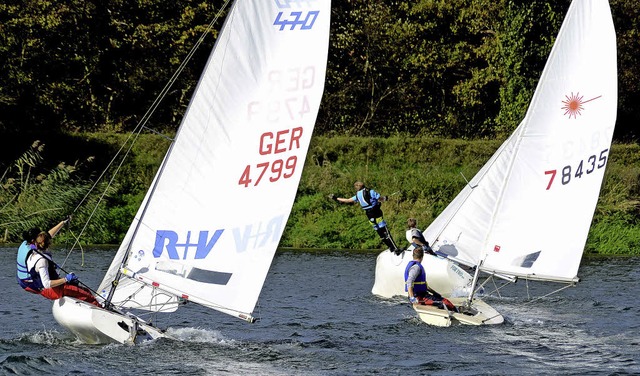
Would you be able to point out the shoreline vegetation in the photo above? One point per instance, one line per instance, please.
(421, 175)
(410, 83)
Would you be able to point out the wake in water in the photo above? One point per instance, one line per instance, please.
(47, 337)
(199, 336)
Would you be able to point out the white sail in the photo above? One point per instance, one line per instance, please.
(212, 220)
(528, 211)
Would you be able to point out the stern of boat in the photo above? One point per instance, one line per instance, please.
(479, 313)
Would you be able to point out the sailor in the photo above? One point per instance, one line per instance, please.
(43, 278)
(29, 243)
(370, 201)
(416, 284)
(416, 238)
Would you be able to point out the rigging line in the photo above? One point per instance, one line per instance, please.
(79, 245)
(154, 106)
(142, 124)
(498, 288)
(180, 69)
(490, 278)
(490, 318)
(105, 170)
(64, 271)
(495, 286)
(104, 193)
(160, 96)
(149, 306)
(549, 294)
(152, 130)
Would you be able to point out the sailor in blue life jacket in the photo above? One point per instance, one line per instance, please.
(42, 277)
(370, 201)
(29, 243)
(416, 284)
(416, 238)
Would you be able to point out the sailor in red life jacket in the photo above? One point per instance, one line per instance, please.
(416, 284)
(45, 279)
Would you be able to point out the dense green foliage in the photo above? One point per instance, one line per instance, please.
(420, 175)
(93, 65)
(455, 68)
(444, 71)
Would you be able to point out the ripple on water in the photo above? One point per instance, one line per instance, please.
(199, 335)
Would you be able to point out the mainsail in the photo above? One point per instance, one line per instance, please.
(210, 224)
(528, 211)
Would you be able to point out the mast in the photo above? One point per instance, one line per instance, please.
(472, 291)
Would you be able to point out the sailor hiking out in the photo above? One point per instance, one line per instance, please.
(37, 272)
(371, 201)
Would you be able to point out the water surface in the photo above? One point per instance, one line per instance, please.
(318, 317)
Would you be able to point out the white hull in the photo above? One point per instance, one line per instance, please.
(94, 325)
(443, 276)
(483, 314)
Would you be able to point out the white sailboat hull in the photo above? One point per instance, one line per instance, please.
(94, 325)
(443, 276)
(483, 314)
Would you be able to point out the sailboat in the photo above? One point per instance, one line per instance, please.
(209, 225)
(526, 214)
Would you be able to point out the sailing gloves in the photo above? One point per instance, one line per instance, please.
(71, 278)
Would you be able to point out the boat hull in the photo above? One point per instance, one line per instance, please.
(480, 314)
(94, 325)
(443, 276)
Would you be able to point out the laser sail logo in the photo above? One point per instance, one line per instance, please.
(574, 104)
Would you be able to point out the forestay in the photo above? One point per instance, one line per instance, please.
(528, 211)
(210, 224)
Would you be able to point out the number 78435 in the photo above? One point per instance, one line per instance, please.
(584, 167)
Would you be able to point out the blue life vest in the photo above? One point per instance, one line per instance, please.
(34, 282)
(368, 198)
(420, 284)
(21, 260)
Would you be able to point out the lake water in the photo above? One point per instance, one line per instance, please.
(318, 317)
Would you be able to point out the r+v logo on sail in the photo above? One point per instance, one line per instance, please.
(252, 236)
